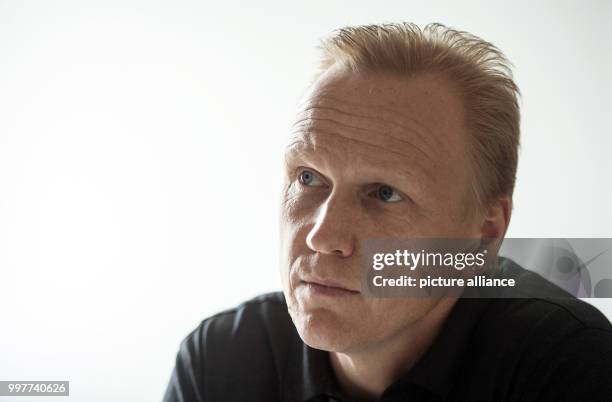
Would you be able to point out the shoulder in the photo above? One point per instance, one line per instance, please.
(522, 332)
(547, 348)
(245, 319)
(246, 345)
(538, 312)
(537, 303)
(561, 351)
(236, 331)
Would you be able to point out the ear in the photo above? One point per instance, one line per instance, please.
(496, 219)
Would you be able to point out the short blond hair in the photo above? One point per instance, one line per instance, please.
(479, 71)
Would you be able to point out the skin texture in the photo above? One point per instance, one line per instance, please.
(354, 133)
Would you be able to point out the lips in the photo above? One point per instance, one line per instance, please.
(329, 283)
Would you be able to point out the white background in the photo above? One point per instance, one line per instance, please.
(140, 150)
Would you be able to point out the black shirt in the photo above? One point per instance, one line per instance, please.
(535, 349)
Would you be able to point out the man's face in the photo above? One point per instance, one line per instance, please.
(370, 156)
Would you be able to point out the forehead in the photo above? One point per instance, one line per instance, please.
(381, 123)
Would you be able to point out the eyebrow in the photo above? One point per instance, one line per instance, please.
(301, 150)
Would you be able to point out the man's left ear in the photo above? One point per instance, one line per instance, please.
(497, 218)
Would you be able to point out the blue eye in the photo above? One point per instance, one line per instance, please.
(308, 178)
(388, 194)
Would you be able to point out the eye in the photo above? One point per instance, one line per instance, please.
(388, 194)
(309, 178)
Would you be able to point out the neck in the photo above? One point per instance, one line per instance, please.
(364, 374)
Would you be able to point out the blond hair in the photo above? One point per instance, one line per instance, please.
(477, 68)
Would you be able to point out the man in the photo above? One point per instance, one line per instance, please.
(406, 133)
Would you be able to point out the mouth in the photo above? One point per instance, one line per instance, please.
(327, 288)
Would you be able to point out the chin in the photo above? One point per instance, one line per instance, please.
(324, 329)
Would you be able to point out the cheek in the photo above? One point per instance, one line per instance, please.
(292, 246)
(297, 213)
(296, 205)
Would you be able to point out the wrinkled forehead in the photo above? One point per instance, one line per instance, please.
(381, 121)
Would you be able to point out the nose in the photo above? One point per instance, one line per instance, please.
(332, 231)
